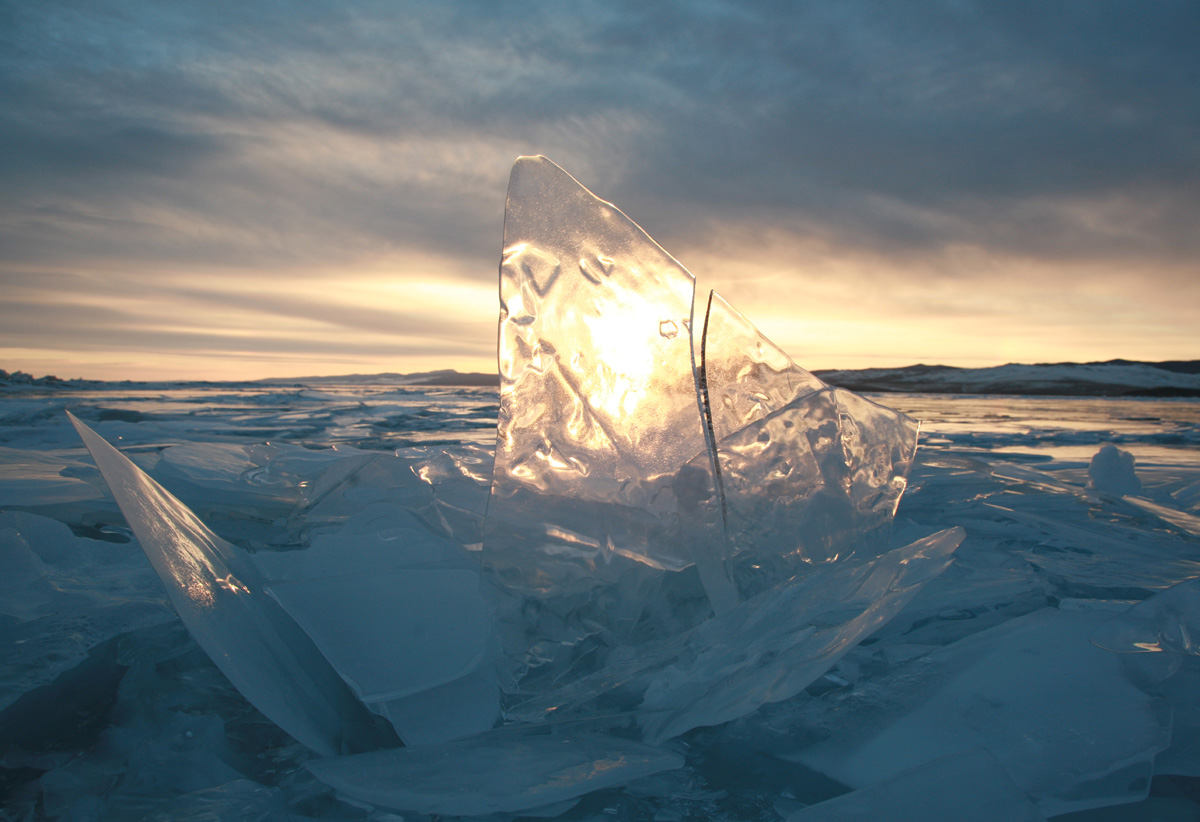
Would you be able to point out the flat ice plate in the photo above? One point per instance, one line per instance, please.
(492, 773)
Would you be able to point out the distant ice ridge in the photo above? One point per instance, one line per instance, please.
(682, 525)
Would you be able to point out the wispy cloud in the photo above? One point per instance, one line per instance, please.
(970, 158)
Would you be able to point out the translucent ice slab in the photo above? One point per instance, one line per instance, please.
(602, 476)
(218, 595)
(500, 772)
(776, 644)
(620, 557)
(400, 616)
(808, 473)
(746, 376)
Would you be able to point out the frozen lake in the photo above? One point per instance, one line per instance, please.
(111, 711)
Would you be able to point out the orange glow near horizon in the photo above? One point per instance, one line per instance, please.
(826, 307)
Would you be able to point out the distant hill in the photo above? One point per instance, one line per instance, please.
(1114, 378)
(444, 377)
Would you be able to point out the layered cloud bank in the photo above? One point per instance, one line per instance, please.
(222, 191)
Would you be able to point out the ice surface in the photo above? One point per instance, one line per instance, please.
(493, 773)
(120, 748)
(963, 786)
(219, 596)
(63, 595)
(1059, 714)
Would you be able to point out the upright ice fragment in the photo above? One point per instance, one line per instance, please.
(603, 478)
(218, 595)
(1111, 471)
(674, 546)
(808, 473)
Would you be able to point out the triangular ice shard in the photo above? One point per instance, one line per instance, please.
(808, 473)
(746, 376)
(219, 596)
(603, 476)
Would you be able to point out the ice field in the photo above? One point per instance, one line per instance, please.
(111, 710)
(663, 573)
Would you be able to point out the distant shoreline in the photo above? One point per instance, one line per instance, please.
(1113, 378)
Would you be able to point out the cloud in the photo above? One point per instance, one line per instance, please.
(200, 141)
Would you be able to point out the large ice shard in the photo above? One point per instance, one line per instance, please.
(603, 476)
(683, 544)
(218, 595)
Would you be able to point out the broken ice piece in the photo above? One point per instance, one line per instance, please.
(498, 772)
(1059, 714)
(218, 595)
(746, 376)
(611, 536)
(776, 644)
(1188, 523)
(816, 481)
(603, 479)
(1168, 621)
(969, 785)
(807, 473)
(1111, 472)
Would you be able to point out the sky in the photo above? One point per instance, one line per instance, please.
(236, 189)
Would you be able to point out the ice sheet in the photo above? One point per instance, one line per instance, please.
(1059, 714)
(607, 512)
(219, 596)
(1028, 455)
